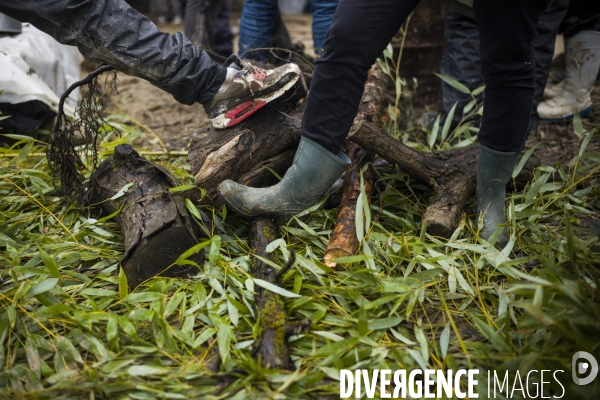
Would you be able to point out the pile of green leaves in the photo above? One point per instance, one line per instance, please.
(70, 327)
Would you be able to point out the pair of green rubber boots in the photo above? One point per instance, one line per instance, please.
(315, 170)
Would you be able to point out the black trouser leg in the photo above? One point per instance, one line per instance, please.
(507, 30)
(112, 32)
(359, 32)
(547, 29)
(461, 61)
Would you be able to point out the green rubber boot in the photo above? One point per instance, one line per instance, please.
(494, 171)
(313, 172)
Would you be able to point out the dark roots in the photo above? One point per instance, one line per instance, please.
(74, 143)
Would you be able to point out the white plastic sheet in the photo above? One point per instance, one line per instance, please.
(34, 66)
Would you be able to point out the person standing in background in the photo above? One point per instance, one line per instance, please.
(207, 25)
(162, 9)
(581, 31)
(258, 21)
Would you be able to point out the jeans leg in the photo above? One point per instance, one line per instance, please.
(322, 14)
(112, 32)
(359, 32)
(507, 30)
(256, 27)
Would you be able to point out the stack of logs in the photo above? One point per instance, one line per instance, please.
(150, 215)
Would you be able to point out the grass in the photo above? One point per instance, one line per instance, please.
(70, 329)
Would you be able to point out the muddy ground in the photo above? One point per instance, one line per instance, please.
(178, 125)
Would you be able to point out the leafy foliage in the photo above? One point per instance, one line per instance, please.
(71, 328)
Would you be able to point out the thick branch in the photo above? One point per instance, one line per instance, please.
(271, 344)
(343, 241)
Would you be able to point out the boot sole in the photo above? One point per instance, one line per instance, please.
(242, 111)
(583, 113)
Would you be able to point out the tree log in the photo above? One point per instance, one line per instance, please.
(343, 241)
(232, 153)
(239, 153)
(156, 225)
(271, 345)
(451, 174)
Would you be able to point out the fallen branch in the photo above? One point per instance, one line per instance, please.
(156, 225)
(271, 345)
(343, 241)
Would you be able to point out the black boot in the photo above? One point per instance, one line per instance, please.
(494, 171)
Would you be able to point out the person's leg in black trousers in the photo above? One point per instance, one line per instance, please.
(547, 29)
(359, 32)
(507, 30)
(461, 59)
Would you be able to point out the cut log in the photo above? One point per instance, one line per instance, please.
(271, 345)
(218, 155)
(239, 153)
(451, 174)
(156, 225)
(343, 241)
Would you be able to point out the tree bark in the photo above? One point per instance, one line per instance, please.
(233, 153)
(245, 153)
(343, 241)
(156, 225)
(452, 174)
(271, 345)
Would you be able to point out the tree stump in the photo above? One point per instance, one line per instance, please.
(156, 225)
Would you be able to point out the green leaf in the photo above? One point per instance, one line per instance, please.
(145, 370)
(123, 284)
(122, 191)
(329, 335)
(445, 341)
(448, 122)
(478, 91)
(22, 138)
(42, 287)
(523, 160)
(183, 188)
(432, 137)
(183, 259)
(114, 214)
(363, 322)
(577, 125)
(275, 289)
(454, 83)
(50, 264)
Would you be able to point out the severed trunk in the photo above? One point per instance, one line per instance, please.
(156, 225)
(248, 152)
(343, 241)
(271, 345)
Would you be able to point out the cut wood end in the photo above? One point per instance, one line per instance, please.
(332, 254)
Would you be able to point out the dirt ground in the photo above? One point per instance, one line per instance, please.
(178, 125)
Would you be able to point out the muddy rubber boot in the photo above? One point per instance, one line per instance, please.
(494, 171)
(313, 172)
(582, 62)
(247, 89)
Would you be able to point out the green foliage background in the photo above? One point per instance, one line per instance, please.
(70, 328)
